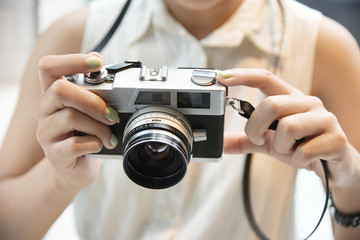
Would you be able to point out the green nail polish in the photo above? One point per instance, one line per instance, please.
(226, 74)
(93, 62)
(114, 141)
(111, 114)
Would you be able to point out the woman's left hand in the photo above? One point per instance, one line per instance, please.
(300, 117)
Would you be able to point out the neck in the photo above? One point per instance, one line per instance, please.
(200, 19)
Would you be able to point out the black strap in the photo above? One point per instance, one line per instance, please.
(247, 197)
(245, 109)
(112, 30)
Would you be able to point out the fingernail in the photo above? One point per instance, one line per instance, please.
(114, 141)
(260, 141)
(93, 62)
(226, 74)
(111, 114)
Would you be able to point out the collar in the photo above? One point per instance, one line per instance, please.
(257, 20)
(260, 21)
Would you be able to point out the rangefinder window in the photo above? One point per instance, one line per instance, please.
(193, 100)
(153, 98)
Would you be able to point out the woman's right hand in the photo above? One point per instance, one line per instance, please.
(66, 108)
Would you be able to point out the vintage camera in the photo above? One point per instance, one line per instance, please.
(167, 118)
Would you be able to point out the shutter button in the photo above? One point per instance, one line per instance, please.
(203, 77)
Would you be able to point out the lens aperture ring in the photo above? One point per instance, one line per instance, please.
(163, 115)
(159, 126)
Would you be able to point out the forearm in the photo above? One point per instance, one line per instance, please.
(30, 203)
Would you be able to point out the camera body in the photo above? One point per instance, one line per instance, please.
(181, 109)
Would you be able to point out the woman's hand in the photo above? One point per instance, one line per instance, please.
(66, 108)
(299, 116)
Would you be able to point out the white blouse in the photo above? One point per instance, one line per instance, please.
(207, 203)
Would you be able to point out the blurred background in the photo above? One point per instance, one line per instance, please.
(21, 21)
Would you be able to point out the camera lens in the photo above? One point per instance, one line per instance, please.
(156, 155)
(157, 147)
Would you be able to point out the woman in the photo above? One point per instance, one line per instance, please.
(311, 56)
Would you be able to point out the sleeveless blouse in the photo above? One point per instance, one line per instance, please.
(207, 203)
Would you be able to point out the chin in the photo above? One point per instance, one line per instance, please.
(196, 4)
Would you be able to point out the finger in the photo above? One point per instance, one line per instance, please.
(76, 147)
(277, 107)
(54, 67)
(64, 122)
(296, 127)
(84, 170)
(329, 146)
(62, 94)
(262, 79)
(239, 143)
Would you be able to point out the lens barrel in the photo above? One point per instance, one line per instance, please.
(157, 147)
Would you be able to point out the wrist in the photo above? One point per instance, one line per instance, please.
(345, 220)
(346, 190)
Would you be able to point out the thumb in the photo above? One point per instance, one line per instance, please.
(239, 143)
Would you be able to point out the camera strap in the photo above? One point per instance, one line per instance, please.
(112, 30)
(245, 109)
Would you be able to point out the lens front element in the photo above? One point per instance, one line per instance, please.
(157, 147)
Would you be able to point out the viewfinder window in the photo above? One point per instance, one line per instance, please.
(193, 100)
(153, 98)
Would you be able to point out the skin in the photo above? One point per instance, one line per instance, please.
(46, 99)
(201, 17)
